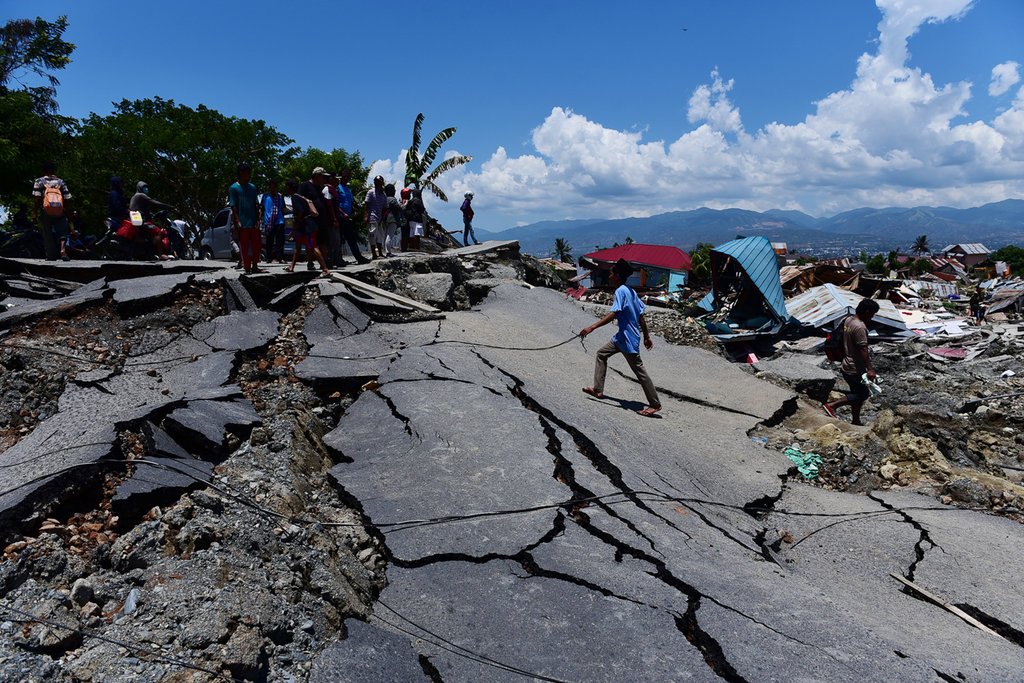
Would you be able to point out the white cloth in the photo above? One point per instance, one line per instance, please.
(415, 229)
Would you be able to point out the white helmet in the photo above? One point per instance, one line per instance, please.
(469, 194)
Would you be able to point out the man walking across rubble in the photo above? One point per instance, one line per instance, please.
(628, 310)
(856, 360)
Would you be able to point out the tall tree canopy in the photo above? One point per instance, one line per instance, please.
(32, 132)
(188, 156)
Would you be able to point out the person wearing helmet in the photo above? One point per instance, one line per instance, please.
(467, 220)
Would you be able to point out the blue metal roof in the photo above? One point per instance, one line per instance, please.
(757, 258)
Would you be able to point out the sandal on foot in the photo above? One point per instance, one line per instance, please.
(829, 410)
(649, 411)
(590, 390)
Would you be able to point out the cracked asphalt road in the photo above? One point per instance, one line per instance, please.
(635, 585)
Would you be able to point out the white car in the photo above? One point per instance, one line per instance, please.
(217, 242)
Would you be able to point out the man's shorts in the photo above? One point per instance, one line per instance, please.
(858, 390)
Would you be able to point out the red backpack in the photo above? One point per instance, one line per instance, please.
(834, 347)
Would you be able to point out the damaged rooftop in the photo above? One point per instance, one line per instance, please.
(391, 474)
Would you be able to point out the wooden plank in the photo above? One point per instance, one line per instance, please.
(943, 604)
(377, 291)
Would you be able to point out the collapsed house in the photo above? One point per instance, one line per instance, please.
(824, 306)
(746, 299)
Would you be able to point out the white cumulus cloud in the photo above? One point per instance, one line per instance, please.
(1004, 77)
(892, 137)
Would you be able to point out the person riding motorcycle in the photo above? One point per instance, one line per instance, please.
(146, 205)
(143, 203)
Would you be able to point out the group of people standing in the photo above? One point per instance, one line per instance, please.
(323, 208)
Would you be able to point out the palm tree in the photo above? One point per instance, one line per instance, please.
(921, 245)
(629, 240)
(563, 250)
(417, 167)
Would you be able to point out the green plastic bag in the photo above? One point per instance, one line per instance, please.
(806, 463)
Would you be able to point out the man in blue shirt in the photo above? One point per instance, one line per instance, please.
(628, 310)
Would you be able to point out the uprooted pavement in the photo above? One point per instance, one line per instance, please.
(271, 478)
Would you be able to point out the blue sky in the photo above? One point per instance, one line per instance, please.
(594, 109)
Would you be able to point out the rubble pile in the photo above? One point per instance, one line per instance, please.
(950, 425)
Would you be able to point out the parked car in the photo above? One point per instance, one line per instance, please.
(217, 242)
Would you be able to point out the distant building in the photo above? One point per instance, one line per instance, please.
(969, 255)
(780, 248)
(656, 266)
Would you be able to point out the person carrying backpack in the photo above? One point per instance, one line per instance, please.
(53, 206)
(856, 361)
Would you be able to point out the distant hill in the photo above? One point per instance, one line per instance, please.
(869, 229)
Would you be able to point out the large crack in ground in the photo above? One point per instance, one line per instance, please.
(687, 622)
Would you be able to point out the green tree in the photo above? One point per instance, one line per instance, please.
(876, 264)
(188, 156)
(563, 250)
(629, 240)
(700, 263)
(417, 166)
(894, 259)
(921, 266)
(863, 256)
(921, 245)
(299, 165)
(32, 132)
(1013, 256)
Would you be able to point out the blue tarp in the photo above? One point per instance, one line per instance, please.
(758, 262)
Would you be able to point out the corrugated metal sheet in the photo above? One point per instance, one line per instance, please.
(939, 289)
(756, 256)
(821, 306)
(972, 248)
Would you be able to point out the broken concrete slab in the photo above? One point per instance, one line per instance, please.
(368, 655)
(89, 295)
(432, 288)
(204, 425)
(288, 299)
(160, 443)
(499, 247)
(140, 294)
(236, 296)
(801, 373)
(159, 481)
(239, 330)
(88, 270)
(349, 361)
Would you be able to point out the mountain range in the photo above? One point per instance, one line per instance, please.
(872, 230)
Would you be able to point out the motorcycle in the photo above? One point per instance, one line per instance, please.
(21, 243)
(136, 239)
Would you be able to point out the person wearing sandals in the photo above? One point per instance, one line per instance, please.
(305, 229)
(628, 310)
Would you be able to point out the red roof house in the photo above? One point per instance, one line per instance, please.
(657, 266)
(655, 255)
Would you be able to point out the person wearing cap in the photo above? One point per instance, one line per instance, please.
(628, 310)
(467, 220)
